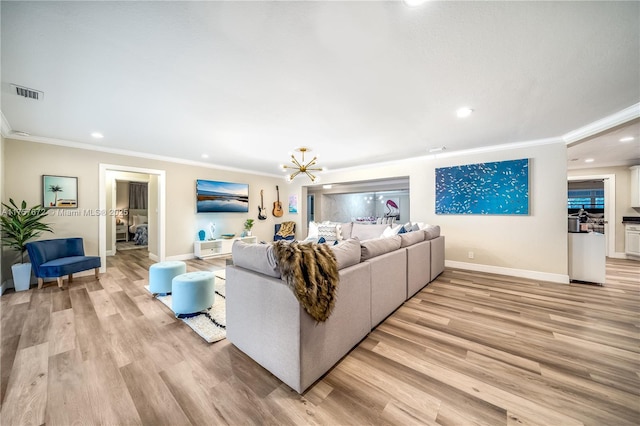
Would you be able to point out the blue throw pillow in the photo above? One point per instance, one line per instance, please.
(402, 231)
(321, 240)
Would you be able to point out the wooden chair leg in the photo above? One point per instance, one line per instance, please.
(96, 271)
(59, 279)
(40, 282)
(70, 278)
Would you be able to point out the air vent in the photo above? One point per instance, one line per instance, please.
(25, 92)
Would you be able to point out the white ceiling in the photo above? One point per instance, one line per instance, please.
(358, 82)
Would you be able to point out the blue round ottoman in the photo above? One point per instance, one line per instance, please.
(161, 274)
(192, 292)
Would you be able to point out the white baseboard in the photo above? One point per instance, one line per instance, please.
(111, 253)
(618, 255)
(187, 256)
(522, 273)
(153, 257)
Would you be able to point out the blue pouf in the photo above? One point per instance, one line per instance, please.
(162, 273)
(192, 292)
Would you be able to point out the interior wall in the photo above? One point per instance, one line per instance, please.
(536, 242)
(623, 197)
(26, 162)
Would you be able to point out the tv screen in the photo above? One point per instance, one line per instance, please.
(221, 197)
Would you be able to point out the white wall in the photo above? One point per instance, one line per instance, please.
(532, 246)
(26, 162)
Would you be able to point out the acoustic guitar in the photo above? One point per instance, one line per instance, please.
(262, 211)
(277, 206)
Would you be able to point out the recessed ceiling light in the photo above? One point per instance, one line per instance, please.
(437, 149)
(327, 186)
(414, 3)
(205, 155)
(97, 135)
(464, 112)
(589, 160)
(627, 139)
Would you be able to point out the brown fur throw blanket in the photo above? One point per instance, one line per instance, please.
(311, 271)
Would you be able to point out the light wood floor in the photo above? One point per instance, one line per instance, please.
(470, 348)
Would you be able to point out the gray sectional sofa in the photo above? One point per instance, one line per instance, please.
(266, 321)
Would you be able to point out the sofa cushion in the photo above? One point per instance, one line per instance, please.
(255, 257)
(411, 238)
(432, 231)
(347, 252)
(364, 231)
(378, 246)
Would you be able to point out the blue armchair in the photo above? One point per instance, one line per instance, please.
(58, 257)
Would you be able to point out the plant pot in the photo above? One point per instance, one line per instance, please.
(21, 276)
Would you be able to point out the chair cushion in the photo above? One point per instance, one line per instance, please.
(68, 265)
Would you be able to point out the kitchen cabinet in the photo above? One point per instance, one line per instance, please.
(632, 240)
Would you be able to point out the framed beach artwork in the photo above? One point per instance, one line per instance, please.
(221, 197)
(496, 188)
(59, 192)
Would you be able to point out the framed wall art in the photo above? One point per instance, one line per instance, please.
(59, 192)
(500, 188)
(221, 197)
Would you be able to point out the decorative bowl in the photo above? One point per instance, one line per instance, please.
(228, 236)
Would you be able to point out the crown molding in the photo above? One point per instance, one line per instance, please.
(603, 124)
(128, 153)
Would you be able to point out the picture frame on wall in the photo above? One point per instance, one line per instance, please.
(59, 192)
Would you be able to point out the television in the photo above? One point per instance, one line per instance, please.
(221, 197)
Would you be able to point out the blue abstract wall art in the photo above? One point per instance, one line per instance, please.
(500, 187)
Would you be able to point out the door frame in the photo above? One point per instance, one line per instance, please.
(161, 194)
(609, 208)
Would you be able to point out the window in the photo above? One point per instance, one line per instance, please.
(586, 199)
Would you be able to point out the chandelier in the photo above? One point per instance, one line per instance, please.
(302, 167)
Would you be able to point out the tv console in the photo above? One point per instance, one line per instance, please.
(218, 247)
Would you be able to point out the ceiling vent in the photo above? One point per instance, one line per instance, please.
(25, 92)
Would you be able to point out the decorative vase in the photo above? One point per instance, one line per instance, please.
(212, 229)
(21, 276)
(247, 233)
(202, 235)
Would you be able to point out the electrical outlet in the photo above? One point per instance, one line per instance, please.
(470, 255)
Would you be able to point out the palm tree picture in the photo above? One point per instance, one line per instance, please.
(55, 189)
(59, 192)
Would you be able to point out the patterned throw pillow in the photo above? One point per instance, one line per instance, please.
(328, 231)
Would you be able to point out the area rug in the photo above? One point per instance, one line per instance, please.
(210, 324)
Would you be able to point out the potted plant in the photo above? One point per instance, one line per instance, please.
(19, 225)
(248, 224)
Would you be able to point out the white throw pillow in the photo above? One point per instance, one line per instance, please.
(313, 231)
(390, 231)
(329, 232)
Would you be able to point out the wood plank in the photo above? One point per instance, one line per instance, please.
(26, 398)
(153, 400)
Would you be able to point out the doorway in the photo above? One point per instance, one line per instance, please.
(156, 215)
(609, 184)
